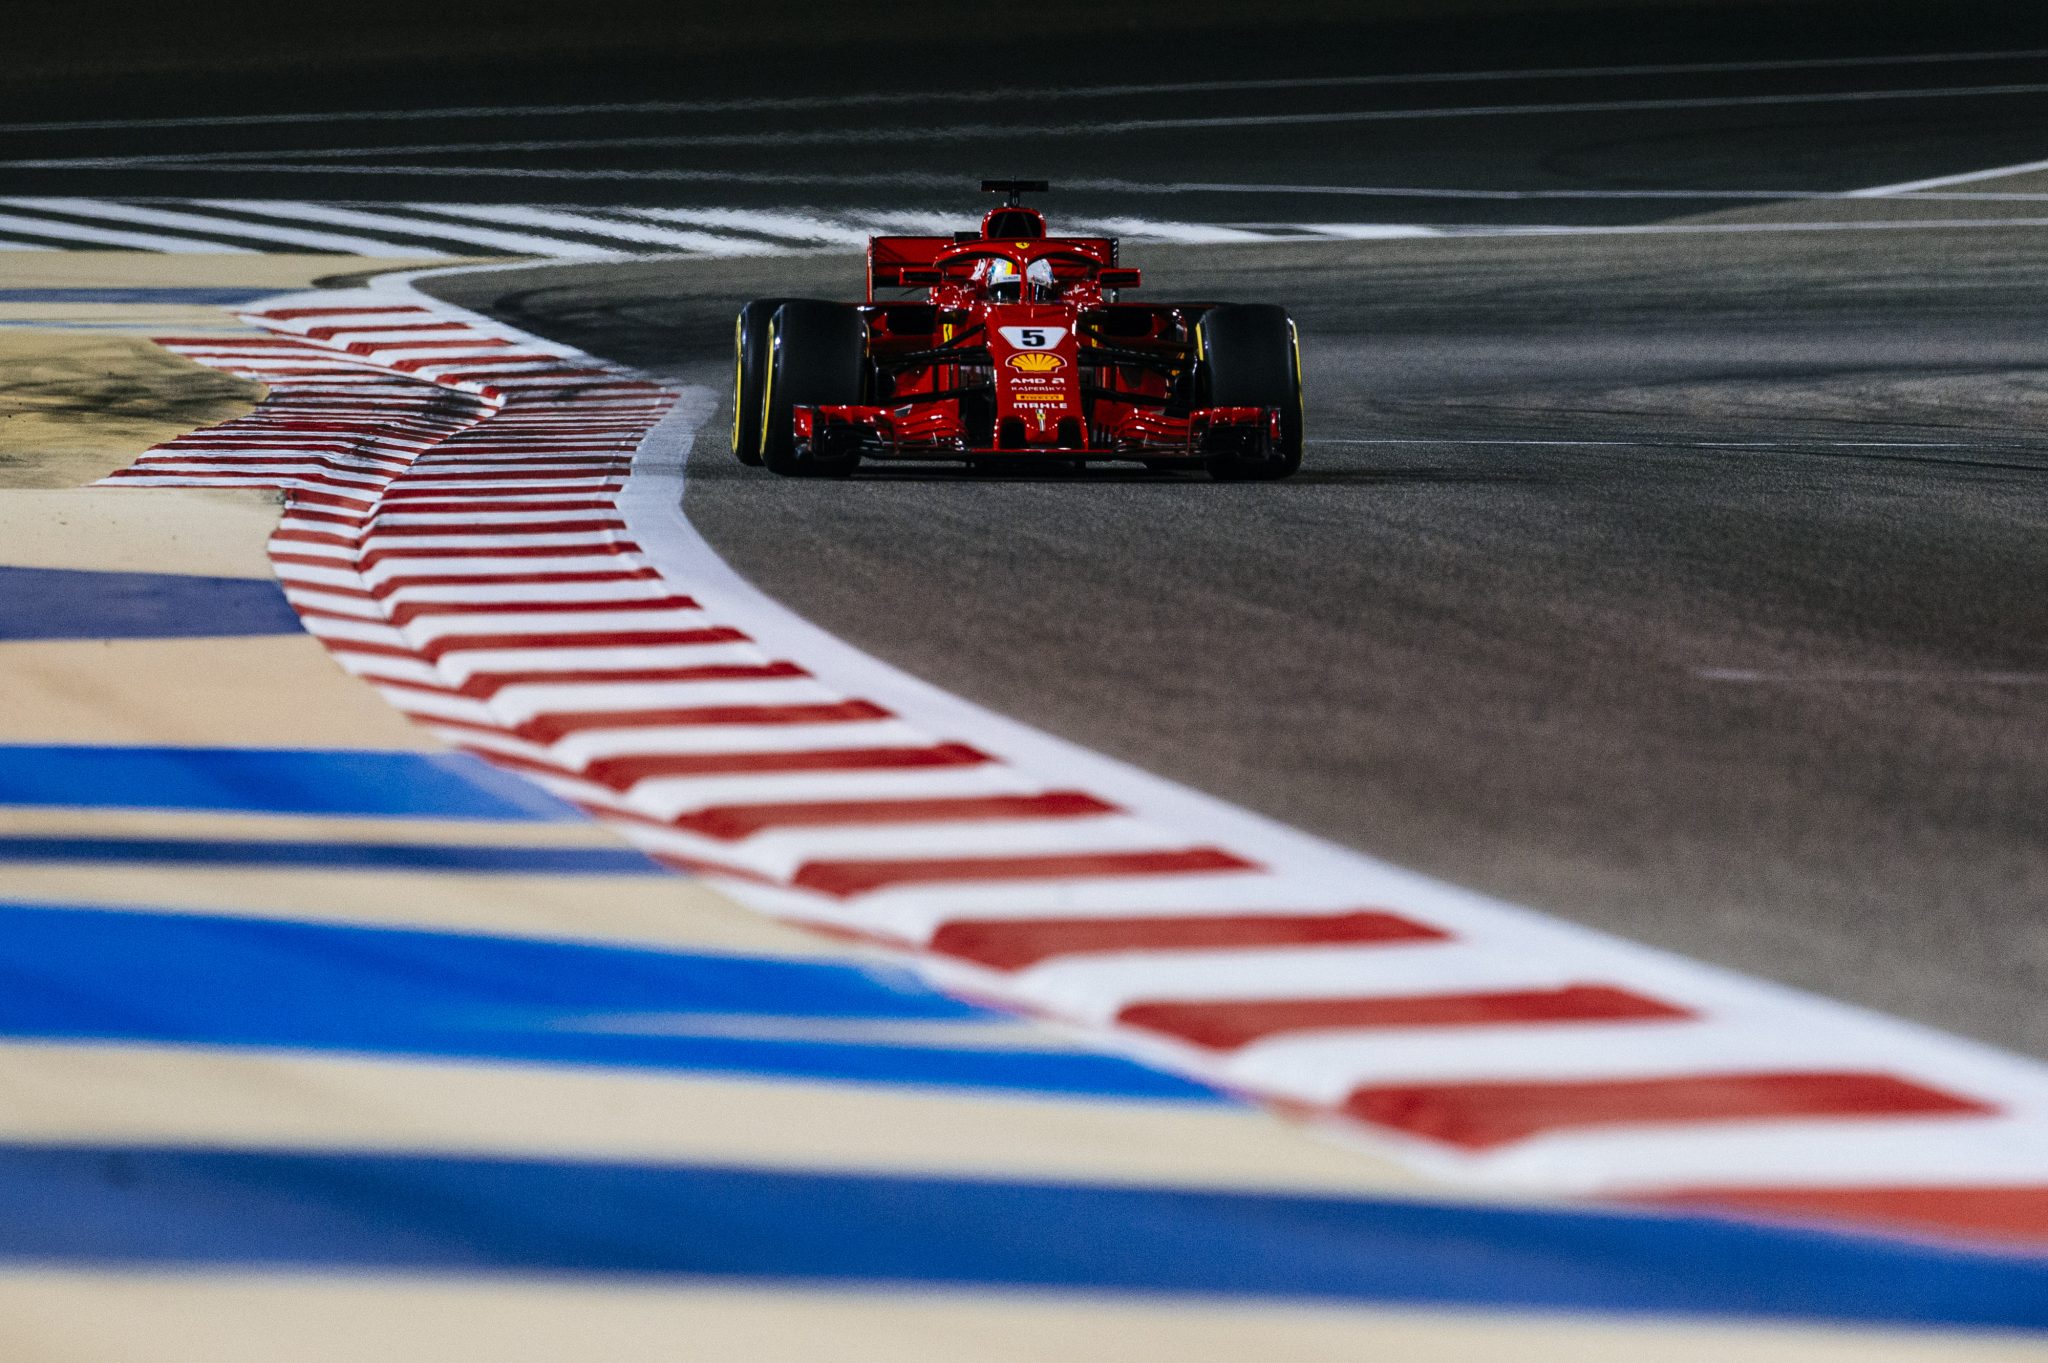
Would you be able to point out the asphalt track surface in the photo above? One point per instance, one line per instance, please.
(1688, 587)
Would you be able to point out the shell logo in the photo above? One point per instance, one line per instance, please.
(1037, 362)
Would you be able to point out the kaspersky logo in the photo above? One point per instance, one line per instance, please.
(1036, 362)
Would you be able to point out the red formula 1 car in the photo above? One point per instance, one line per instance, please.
(1019, 349)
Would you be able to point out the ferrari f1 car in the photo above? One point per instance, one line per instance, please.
(1014, 347)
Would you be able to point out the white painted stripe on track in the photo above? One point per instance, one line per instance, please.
(913, 916)
(512, 243)
(1451, 193)
(1184, 233)
(175, 219)
(357, 631)
(783, 856)
(1103, 984)
(638, 233)
(563, 540)
(670, 798)
(57, 230)
(1350, 231)
(735, 739)
(1902, 1151)
(1945, 181)
(571, 480)
(791, 226)
(484, 593)
(484, 569)
(530, 700)
(1874, 676)
(601, 657)
(536, 514)
(1748, 228)
(1325, 1067)
(1923, 1151)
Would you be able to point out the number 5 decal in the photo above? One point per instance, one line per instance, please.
(1033, 338)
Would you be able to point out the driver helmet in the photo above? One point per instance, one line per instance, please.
(1038, 282)
(1002, 280)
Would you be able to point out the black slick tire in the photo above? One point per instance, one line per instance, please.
(817, 357)
(749, 372)
(1247, 355)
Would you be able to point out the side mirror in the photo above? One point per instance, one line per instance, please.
(914, 278)
(1118, 279)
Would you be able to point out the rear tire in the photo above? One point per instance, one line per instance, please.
(749, 371)
(817, 357)
(1249, 356)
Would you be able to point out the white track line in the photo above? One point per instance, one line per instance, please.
(795, 225)
(512, 243)
(1743, 228)
(176, 218)
(54, 230)
(569, 220)
(1944, 181)
(1520, 195)
(1879, 676)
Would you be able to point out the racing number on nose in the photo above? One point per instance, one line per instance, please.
(1033, 338)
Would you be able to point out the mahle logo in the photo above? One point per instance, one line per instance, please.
(1037, 362)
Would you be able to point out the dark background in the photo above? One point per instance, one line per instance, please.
(67, 55)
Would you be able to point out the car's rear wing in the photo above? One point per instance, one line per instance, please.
(889, 257)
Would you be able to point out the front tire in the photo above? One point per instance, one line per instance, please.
(749, 372)
(817, 357)
(1249, 355)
